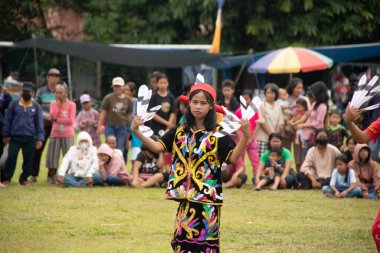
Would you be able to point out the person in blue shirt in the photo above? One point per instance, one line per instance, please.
(343, 182)
(23, 129)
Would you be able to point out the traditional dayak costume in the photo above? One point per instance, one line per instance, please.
(195, 181)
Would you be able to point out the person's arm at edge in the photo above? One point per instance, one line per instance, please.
(349, 116)
(154, 146)
(240, 147)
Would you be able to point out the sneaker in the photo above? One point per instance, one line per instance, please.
(2, 186)
(257, 188)
(32, 179)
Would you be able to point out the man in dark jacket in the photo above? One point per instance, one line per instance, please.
(23, 129)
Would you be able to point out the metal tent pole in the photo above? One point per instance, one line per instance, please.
(69, 76)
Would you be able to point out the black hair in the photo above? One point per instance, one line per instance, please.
(319, 130)
(161, 76)
(310, 93)
(369, 154)
(247, 92)
(132, 87)
(276, 150)
(210, 119)
(145, 148)
(343, 158)
(335, 112)
(154, 74)
(186, 89)
(302, 102)
(319, 90)
(273, 87)
(228, 83)
(292, 84)
(274, 135)
(351, 138)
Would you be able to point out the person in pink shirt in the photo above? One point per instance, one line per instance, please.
(112, 169)
(237, 172)
(318, 98)
(62, 113)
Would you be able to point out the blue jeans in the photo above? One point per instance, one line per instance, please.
(372, 193)
(111, 180)
(72, 181)
(306, 146)
(375, 148)
(355, 193)
(120, 132)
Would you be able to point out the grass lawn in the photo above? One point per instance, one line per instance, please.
(45, 218)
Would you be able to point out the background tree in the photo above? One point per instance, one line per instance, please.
(259, 24)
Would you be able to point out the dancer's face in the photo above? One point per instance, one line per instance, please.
(199, 106)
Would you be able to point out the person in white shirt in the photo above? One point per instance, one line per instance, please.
(79, 163)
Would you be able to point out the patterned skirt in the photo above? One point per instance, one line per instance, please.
(196, 228)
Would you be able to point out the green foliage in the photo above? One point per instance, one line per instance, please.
(19, 19)
(258, 24)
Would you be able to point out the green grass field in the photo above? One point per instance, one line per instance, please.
(45, 218)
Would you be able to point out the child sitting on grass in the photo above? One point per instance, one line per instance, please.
(111, 168)
(79, 163)
(111, 141)
(273, 170)
(367, 174)
(343, 182)
(147, 168)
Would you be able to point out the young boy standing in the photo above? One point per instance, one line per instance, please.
(228, 99)
(337, 131)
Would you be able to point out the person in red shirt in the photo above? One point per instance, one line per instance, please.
(372, 132)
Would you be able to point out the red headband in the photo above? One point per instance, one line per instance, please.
(204, 87)
(185, 100)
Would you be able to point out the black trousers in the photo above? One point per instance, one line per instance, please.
(305, 182)
(38, 152)
(27, 144)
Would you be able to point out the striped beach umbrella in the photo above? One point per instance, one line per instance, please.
(291, 60)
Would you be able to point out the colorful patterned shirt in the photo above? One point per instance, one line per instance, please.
(337, 135)
(195, 174)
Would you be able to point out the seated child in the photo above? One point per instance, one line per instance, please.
(111, 168)
(337, 131)
(343, 182)
(273, 170)
(79, 163)
(350, 144)
(111, 141)
(367, 174)
(147, 168)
